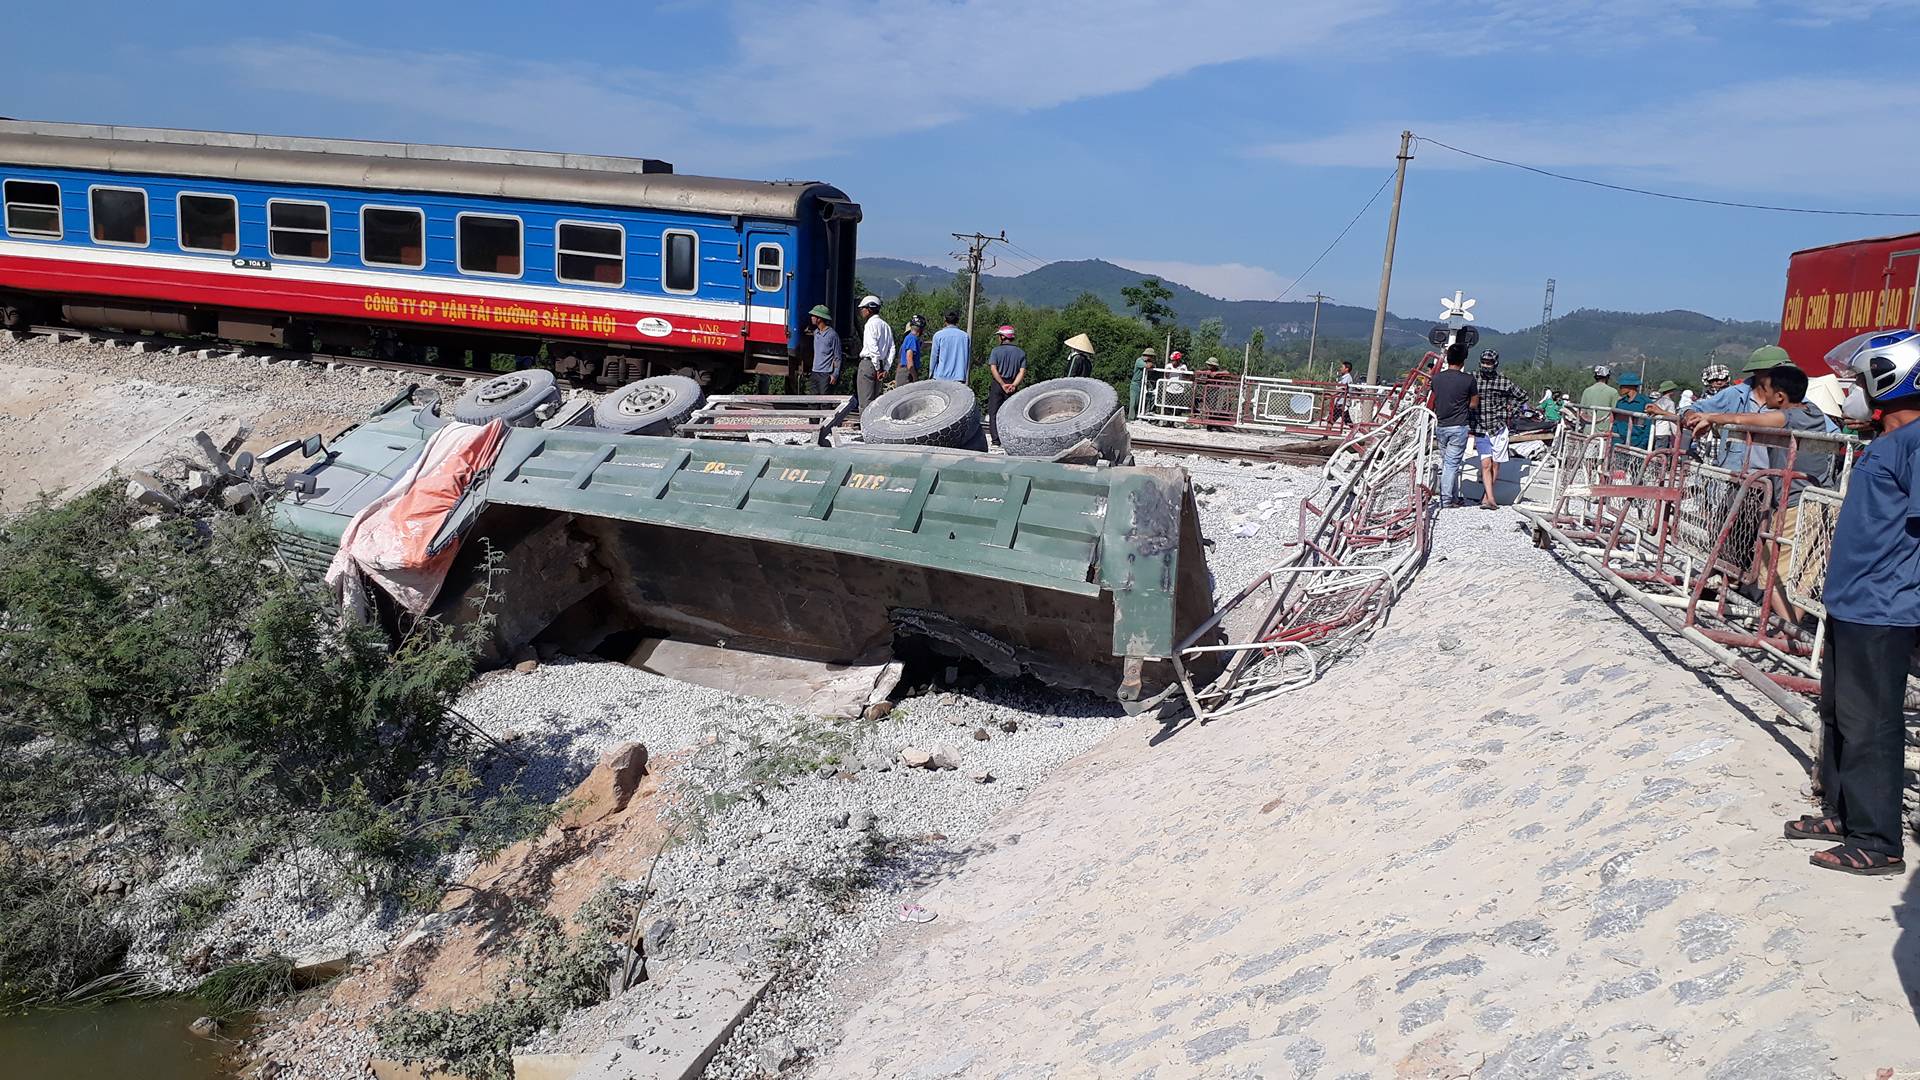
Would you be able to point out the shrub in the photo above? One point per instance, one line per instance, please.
(553, 973)
(175, 676)
(53, 937)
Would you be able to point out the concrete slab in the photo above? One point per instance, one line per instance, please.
(546, 1066)
(684, 1019)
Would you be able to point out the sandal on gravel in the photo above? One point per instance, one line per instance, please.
(1808, 827)
(1853, 860)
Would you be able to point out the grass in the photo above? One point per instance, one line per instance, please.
(248, 985)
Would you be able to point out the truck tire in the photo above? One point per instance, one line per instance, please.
(934, 413)
(1051, 416)
(648, 407)
(513, 397)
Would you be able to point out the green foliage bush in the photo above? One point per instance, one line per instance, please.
(53, 937)
(248, 985)
(174, 678)
(553, 973)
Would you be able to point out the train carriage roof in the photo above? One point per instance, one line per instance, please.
(643, 183)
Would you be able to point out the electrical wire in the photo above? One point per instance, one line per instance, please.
(1336, 240)
(1666, 194)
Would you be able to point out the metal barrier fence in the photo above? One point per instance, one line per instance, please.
(1364, 534)
(1221, 399)
(1732, 558)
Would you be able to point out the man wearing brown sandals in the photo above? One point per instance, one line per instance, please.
(1872, 597)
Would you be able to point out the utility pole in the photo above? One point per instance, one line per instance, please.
(1386, 266)
(976, 244)
(1314, 334)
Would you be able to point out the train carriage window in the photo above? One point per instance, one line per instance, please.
(590, 254)
(488, 244)
(209, 223)
(393, 236)
(119, 215)
(298, 230)
(680, 258)
(769, 267)
(32, 208)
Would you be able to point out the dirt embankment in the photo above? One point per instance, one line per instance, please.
(73, 413)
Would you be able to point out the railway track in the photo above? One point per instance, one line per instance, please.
(1230, 453)
(160, 345)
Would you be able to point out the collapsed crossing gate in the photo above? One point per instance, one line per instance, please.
(1364, 534)
(1716, 555)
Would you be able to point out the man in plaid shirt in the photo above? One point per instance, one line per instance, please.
(1499, 399)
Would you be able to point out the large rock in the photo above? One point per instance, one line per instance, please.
(607, 789)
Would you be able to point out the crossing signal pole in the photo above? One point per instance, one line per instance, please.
(976, 247)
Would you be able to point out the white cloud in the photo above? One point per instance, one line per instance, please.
(1228, 281)
(797, 79)
(1821, 140)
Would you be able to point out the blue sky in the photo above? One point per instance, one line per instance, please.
(1221, 142)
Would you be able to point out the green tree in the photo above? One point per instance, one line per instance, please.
(1208, 339)
(1149, 300)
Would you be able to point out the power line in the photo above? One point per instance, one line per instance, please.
(1667, 194)
(1336, 240)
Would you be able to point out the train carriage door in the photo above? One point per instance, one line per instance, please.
(843, 223)
(769, 292)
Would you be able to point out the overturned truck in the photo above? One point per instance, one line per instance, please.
(1083, 576)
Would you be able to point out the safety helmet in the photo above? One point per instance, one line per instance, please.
(1176, 355)
(918, 322)
(1491, 356)
(1715, 373)
(1602, 371)
(870, 301)
(1006, 331)
(1888, 365)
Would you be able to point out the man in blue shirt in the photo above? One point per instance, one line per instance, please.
(1872, 597)
(950, 351)
(1626, 429)
(1738, 398)
(826, 349)
(912, 363)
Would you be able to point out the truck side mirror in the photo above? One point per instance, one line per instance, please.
(312, 446)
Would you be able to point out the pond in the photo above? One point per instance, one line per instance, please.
(147, 1039)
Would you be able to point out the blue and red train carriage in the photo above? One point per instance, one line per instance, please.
(612, 267)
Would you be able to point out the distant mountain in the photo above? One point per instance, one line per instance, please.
(1586, 336)
(886, 277)
(1591, 336)
(1058, 284)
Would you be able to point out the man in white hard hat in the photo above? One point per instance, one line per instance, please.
(876, 352)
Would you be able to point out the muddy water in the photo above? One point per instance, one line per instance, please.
(136, 1040)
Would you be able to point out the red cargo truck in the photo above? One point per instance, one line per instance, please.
(1839, 290)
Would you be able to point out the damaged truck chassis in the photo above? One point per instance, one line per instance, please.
(1087, 577)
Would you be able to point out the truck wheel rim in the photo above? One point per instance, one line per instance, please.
(496, 390)
(645, 400)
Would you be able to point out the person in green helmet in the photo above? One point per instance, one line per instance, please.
(1139, 384)
(826, 349)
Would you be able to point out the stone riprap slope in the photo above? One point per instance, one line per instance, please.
(1513, 838)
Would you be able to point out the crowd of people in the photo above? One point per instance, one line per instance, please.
(1871, 589)
(946, 354)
